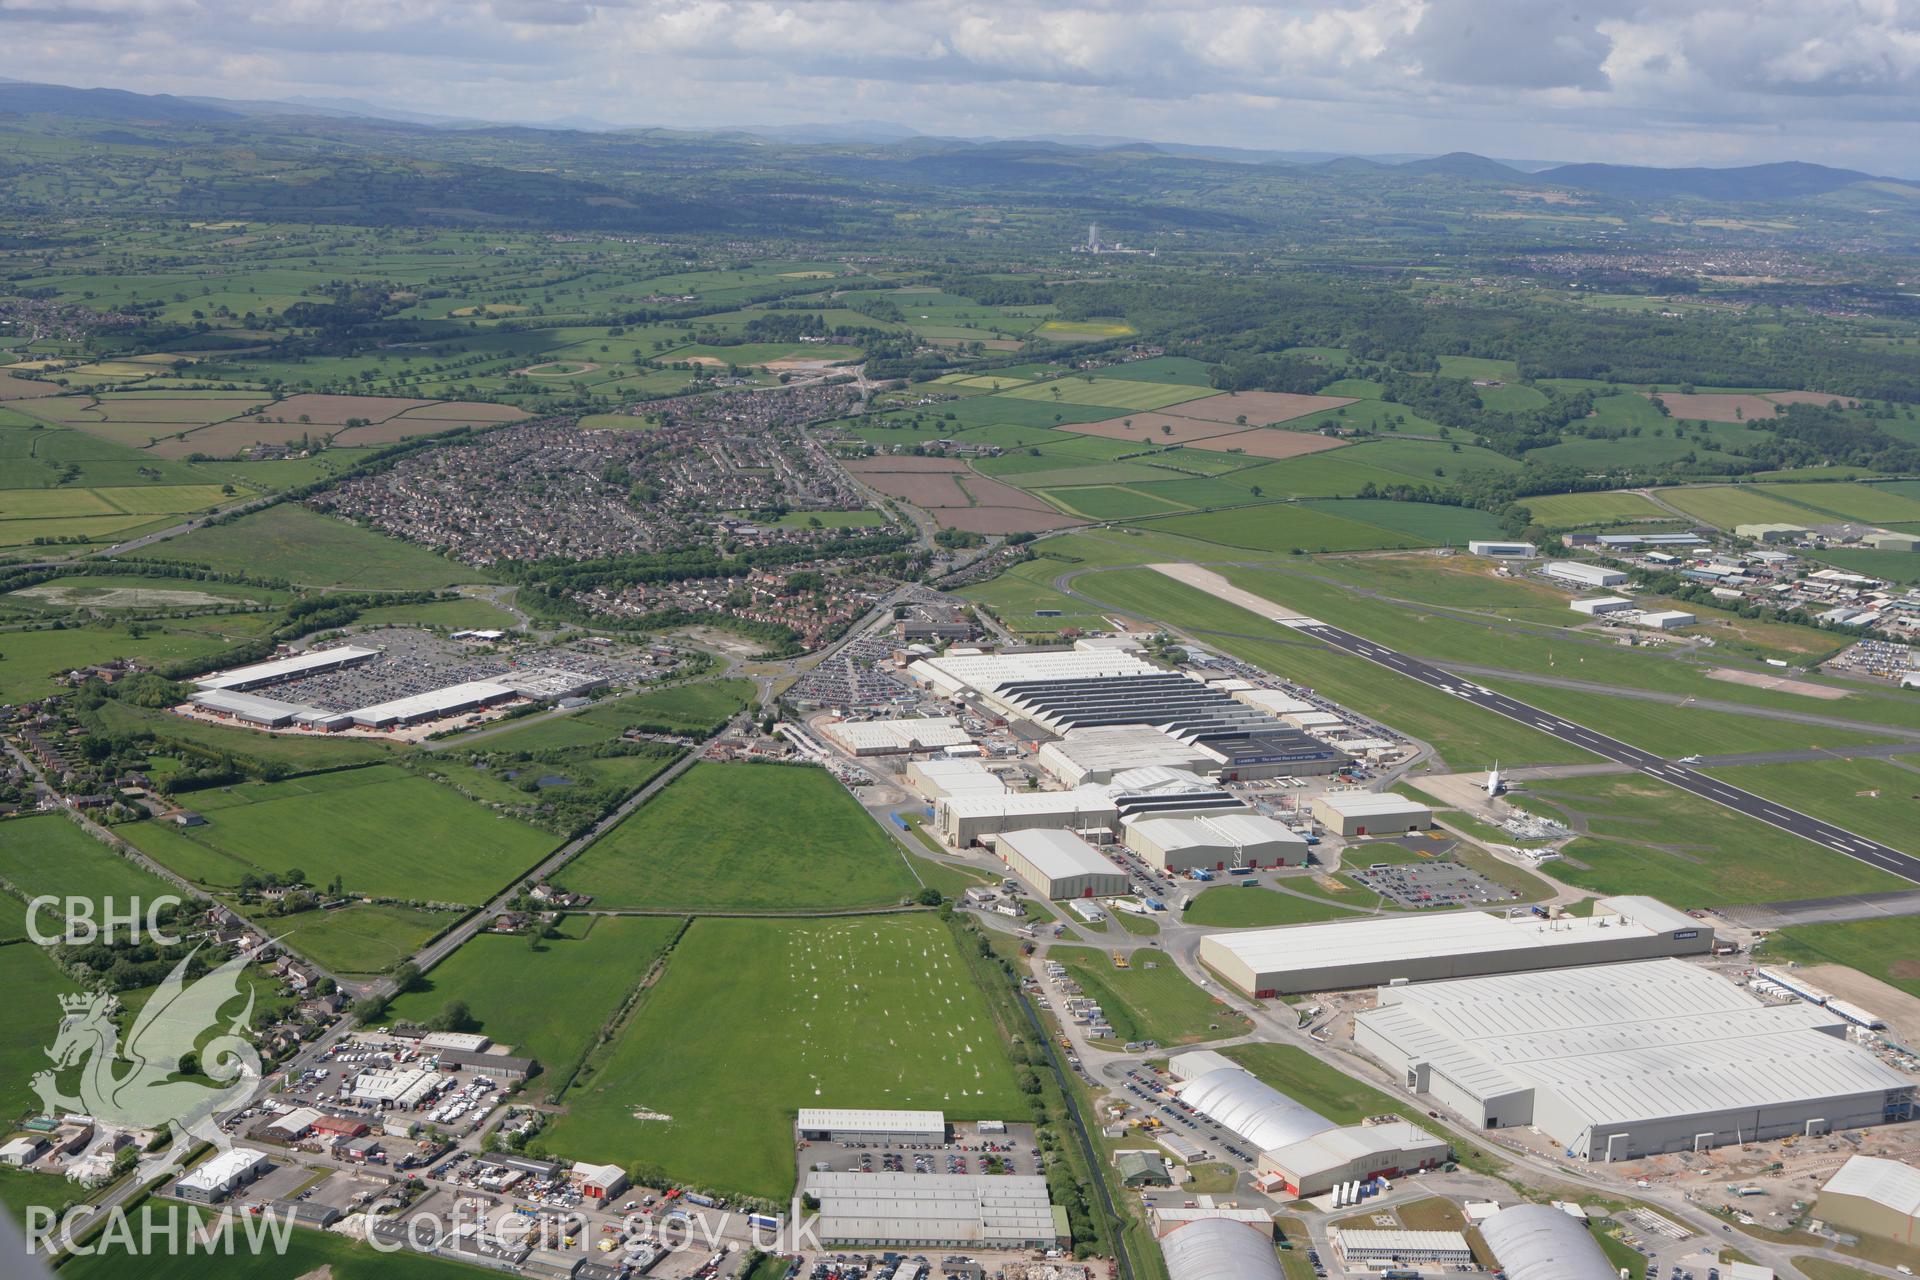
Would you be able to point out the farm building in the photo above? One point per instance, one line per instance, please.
(920, 1210)
(1092, 756)
(1059, 864)
(1874, 1197)
(1377, 1249)
(1586, 575)
(1504, 550)
(892, 737)
(963, 819)
(938, 779)
(1213, 841)
(1601, 605)
(1668, 619)
(279, 669)
(221, 1176)
(1770, 532)
(837, 1124)
(1380, 813)
(1620, 1061)
(1539, 1242)
(1375, 951)
(1221, 1249)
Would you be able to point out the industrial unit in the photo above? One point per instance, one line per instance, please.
(891, 737)
(1601, 605)
(1364, 1248)
(1770, 532)
(1272, 701)
(1377, 950)
(221, 1176)
(1221, 1249)
(279, 669)
(1213, 842)
(938, 779)
(434, 704)
(1059, 864)
(1626, 1060)
(923, 1210)
(1586, 575)
(1504, 550)
(838, 1124)
(1539, 1242)
(1379, 813)
(962, 820)
(1299, 1149)
(1874, 1197)
(1668, 619)
(267, 713)
(1095, 755)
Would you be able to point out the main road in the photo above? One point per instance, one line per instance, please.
(1807, 827)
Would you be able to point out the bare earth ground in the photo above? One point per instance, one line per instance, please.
(1810, 397)
(903, 462)
(1262, 443)
(1779, 684)
(12, 388)
(1901, 1010)
(331, 410)
(468, 410)
(1156, 428)
(1718, 408)
(959, 497)
(122, 597)
(1260, 407)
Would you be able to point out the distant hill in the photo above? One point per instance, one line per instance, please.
(1463, 164)
(1787, 181)
(19, 98)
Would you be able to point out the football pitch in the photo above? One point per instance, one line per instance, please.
(872, 1012)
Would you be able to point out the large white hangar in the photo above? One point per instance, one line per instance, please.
(1378, 950)
(1620, 1061)
(1214, 841)
(1539, 1242)
(1221, 1249)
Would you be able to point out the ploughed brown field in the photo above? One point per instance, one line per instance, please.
(1260, 407)
(959, 497)
(1264, 442)
(1710, 407)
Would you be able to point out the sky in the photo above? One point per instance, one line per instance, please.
(1664, 82)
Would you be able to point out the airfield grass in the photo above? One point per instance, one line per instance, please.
(1874, 798)
(1423, 522)
(878, 1011)
(289, 541)
(1887, 948)
(745, 837)
(34, 985)
(1724, 506)
(1672, 730)
(1572, 510)
(46, 854)
(1232, 906)
(546, 999)
(362, 938)
(1158, 1003)
(1109, 502)
(1284, 528)
(308, 1254)
(1017, 596)
(1877, 504)
(1650, 838)
(383, 831)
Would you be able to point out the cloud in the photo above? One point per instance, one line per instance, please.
(1700, 80)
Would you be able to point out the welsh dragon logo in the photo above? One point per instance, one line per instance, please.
(133, 1086)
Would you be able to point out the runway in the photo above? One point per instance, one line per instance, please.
(1839, 840)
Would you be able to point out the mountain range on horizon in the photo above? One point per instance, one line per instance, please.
(1789, 179)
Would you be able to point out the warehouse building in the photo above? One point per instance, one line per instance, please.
(837, 1124)
(1059, 864)
(1539, 1242)
(968, 671)
(1767, 533)
(279, 669)
(944, 1211)
(1668, 619)
(938, 779)
(1601, 605)
(221, 1176)
(1379, 1249)
(1221, 1249)
(1377, 950)
(1886, 540)
(1228, 1094)
(1586, 575)
(435, 704)
(1379, 813)
(1504, 550)
(962, 820)
(1093, 756)
(892, 737)
(1874, 1197)
(1213, 842)
(1622, 1061)
(251, 708)
(1272, 701)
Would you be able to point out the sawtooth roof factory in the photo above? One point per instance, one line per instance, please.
(1379, 950)
(1620, 1061)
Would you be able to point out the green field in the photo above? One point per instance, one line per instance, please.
(1876, 504)
(298, 754)
(364, 937)
(309, 1254)
(1724, 506)
(1284, 527)
(34, 984)
(870, 1012)
(695, 709)
(1425, 523)
(1647, 837)
(752, 837)
(30, 661)
(1887, 949)
(47, 854)
(1110, 502)
(1151, 999)
(1233, 906)
(1119, 394)
(1894, 566)
(384, 832)
(550, 1002)
(289, 541)
(1571, 510)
